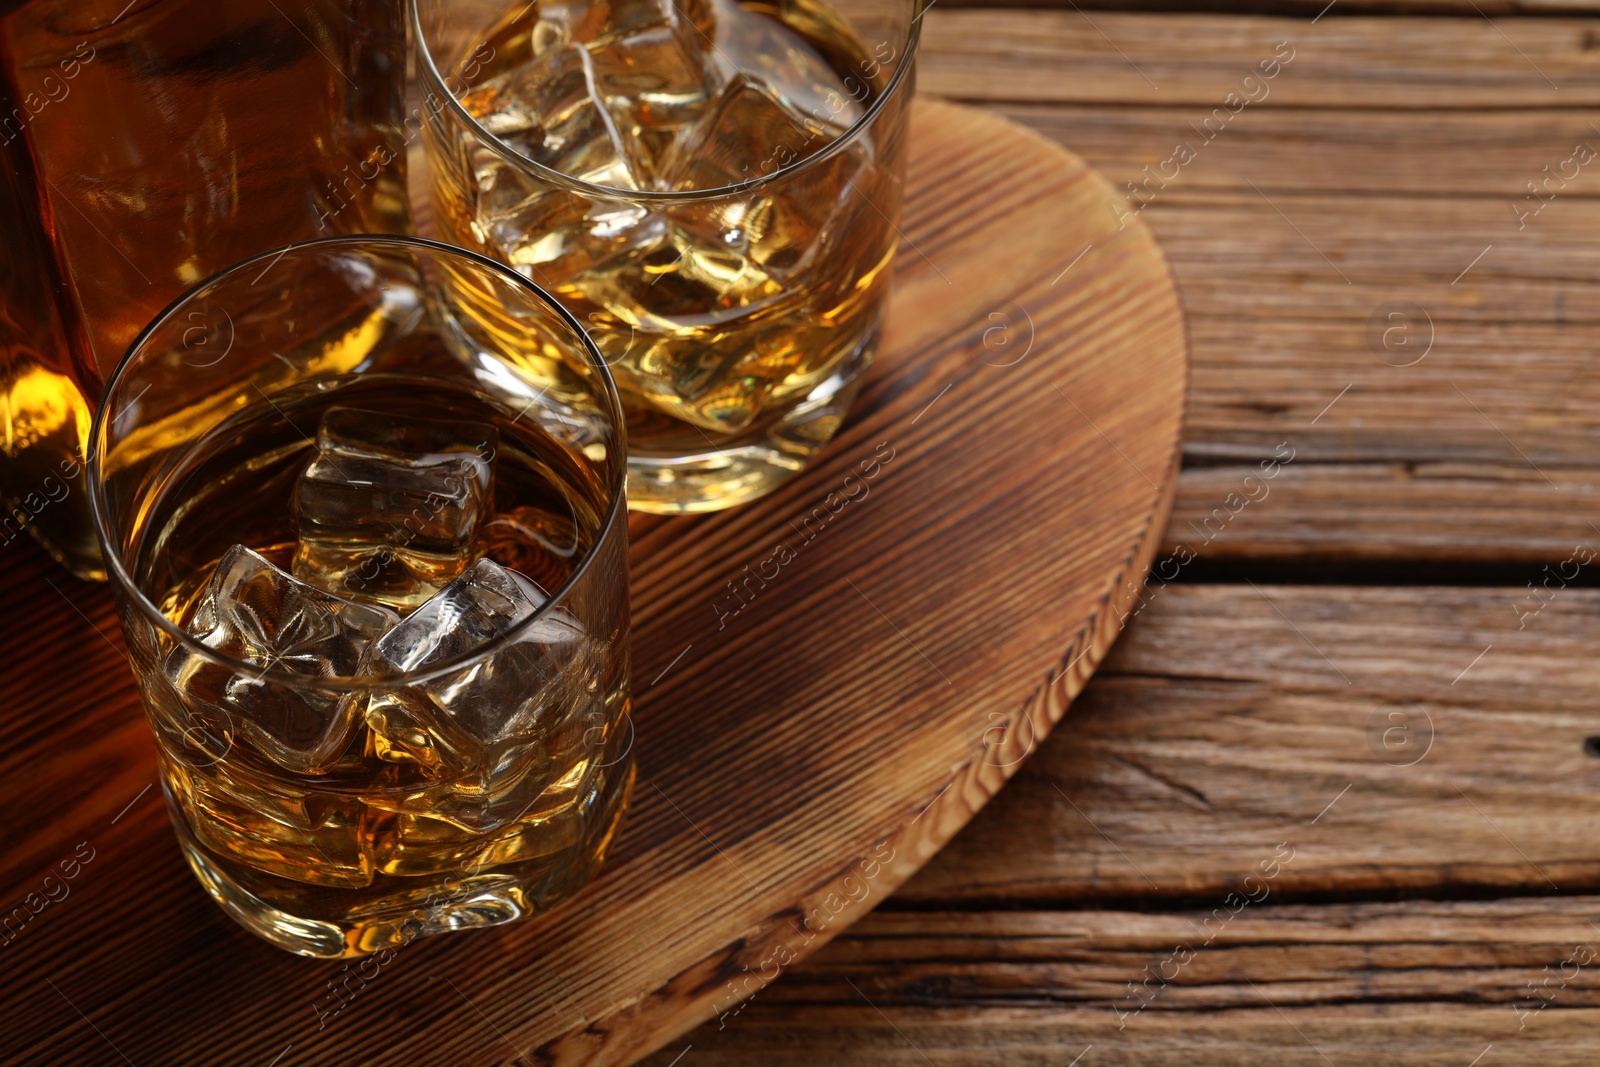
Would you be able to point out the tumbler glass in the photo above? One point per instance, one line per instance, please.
(712, 187)
(361, 500)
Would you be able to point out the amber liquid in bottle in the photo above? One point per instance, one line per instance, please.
(144, 146)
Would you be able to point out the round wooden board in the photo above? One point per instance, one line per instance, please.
(913, 614)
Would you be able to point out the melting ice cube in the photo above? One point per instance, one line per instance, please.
(476, 720)
(388, 509)
(252, 611)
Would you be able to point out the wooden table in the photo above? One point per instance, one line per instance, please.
(1333, 797)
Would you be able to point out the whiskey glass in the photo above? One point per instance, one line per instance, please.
(361, 501)
(712, 187)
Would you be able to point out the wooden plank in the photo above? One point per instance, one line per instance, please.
(1322, 259)
(1432, 153)
(1229, 718)
(864, 1037)
(1418, 982)
(1290, 352)
(1474, 455)
(1365, 514)
(1293, 231)
(1312, 8)
(1125, 59)
(801, 747)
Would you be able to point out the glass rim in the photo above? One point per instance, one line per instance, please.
(118, 575)
(437, 81)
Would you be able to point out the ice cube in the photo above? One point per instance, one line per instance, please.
(747, 133)
(656, 81)
(818, 217)
(502, 188)
(553, 237)
(523, 784)
(588, 21)
(478, 721)
(254, 612)
(781, 231)
(768, 53)
(554, 113)
(500, 111)
(388, 509)
(696, 285)
(557, 24)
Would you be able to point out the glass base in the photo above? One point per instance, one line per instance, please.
(340, 923)
(752, 463)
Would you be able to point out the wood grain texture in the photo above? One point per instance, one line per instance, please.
(798, 758)
(1218, 757)
(1384, 1034)
(1458, 153)
(1124, 59)
(1216, 731)
(1230, 716)
(1416, 983)
(1304, 8)
(1381, 163)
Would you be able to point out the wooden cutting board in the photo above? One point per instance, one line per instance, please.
(829, 682)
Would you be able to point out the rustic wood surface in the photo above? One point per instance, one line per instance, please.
(1441, 984)
(1441, 909)
(1380, 163)
(798, 758)
(1312, 679)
